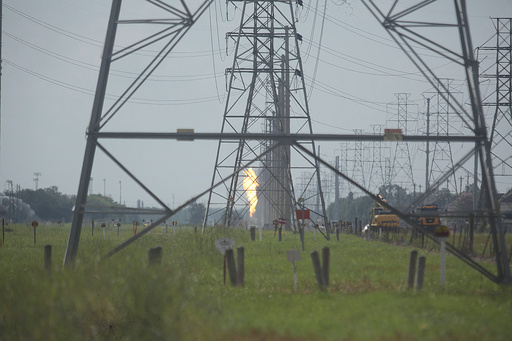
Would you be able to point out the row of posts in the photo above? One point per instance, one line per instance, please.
(415, 276)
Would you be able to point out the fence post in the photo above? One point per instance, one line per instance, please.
(412, 268)
(155, 255)
(230, 258)
(326, 256)
(240, 272)
(421, 272)
(253, 233)
(315, 258)
(48, 258)
(471, 230)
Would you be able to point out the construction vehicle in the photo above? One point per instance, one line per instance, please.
(429, 217)
(382, 218)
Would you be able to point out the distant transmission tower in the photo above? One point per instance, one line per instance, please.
(501, 125)
(378, 154)
(266, 93)
(358, 170)
(442, 122)
(401, 160)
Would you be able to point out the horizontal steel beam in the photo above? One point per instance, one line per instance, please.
(285, 139)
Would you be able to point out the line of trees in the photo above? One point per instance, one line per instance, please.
(48, 204)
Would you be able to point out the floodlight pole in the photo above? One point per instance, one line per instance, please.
(94, 127)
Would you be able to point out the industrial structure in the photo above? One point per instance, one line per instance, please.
(266, 94)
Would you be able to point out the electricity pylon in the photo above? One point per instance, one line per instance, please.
(501, 98)
(406, 28)
(166, 31)
(402, 162)
(266, 93)
(442, 121)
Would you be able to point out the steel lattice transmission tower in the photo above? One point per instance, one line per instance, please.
(162, 34)
(442, 122)
(501, 126)
(406, 27)
(266, 93)
(401, 162)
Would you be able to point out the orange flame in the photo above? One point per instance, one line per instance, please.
(250, 183)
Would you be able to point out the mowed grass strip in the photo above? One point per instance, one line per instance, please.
(184, 298)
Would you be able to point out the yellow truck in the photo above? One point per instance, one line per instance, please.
(383, 218)
(429, 217)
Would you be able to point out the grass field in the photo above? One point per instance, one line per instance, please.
(184, 298)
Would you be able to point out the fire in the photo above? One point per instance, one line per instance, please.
(250, 183)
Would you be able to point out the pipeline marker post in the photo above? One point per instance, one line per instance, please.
(282, 221)
(293, 256)
(103, 227)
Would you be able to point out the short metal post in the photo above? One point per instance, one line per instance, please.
(48, 258)
(240, 272)
(326, 256)
(315, 258)
(230, 259)
(421, 272)
(412, 268)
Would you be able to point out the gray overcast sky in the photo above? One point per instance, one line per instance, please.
(51, 54)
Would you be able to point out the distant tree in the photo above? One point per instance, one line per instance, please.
(48, 203)
(464, 202)
(351, 207)
(444, 198)
(396, 195)
(196, 212)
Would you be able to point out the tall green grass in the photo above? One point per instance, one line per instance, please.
(184, 298)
